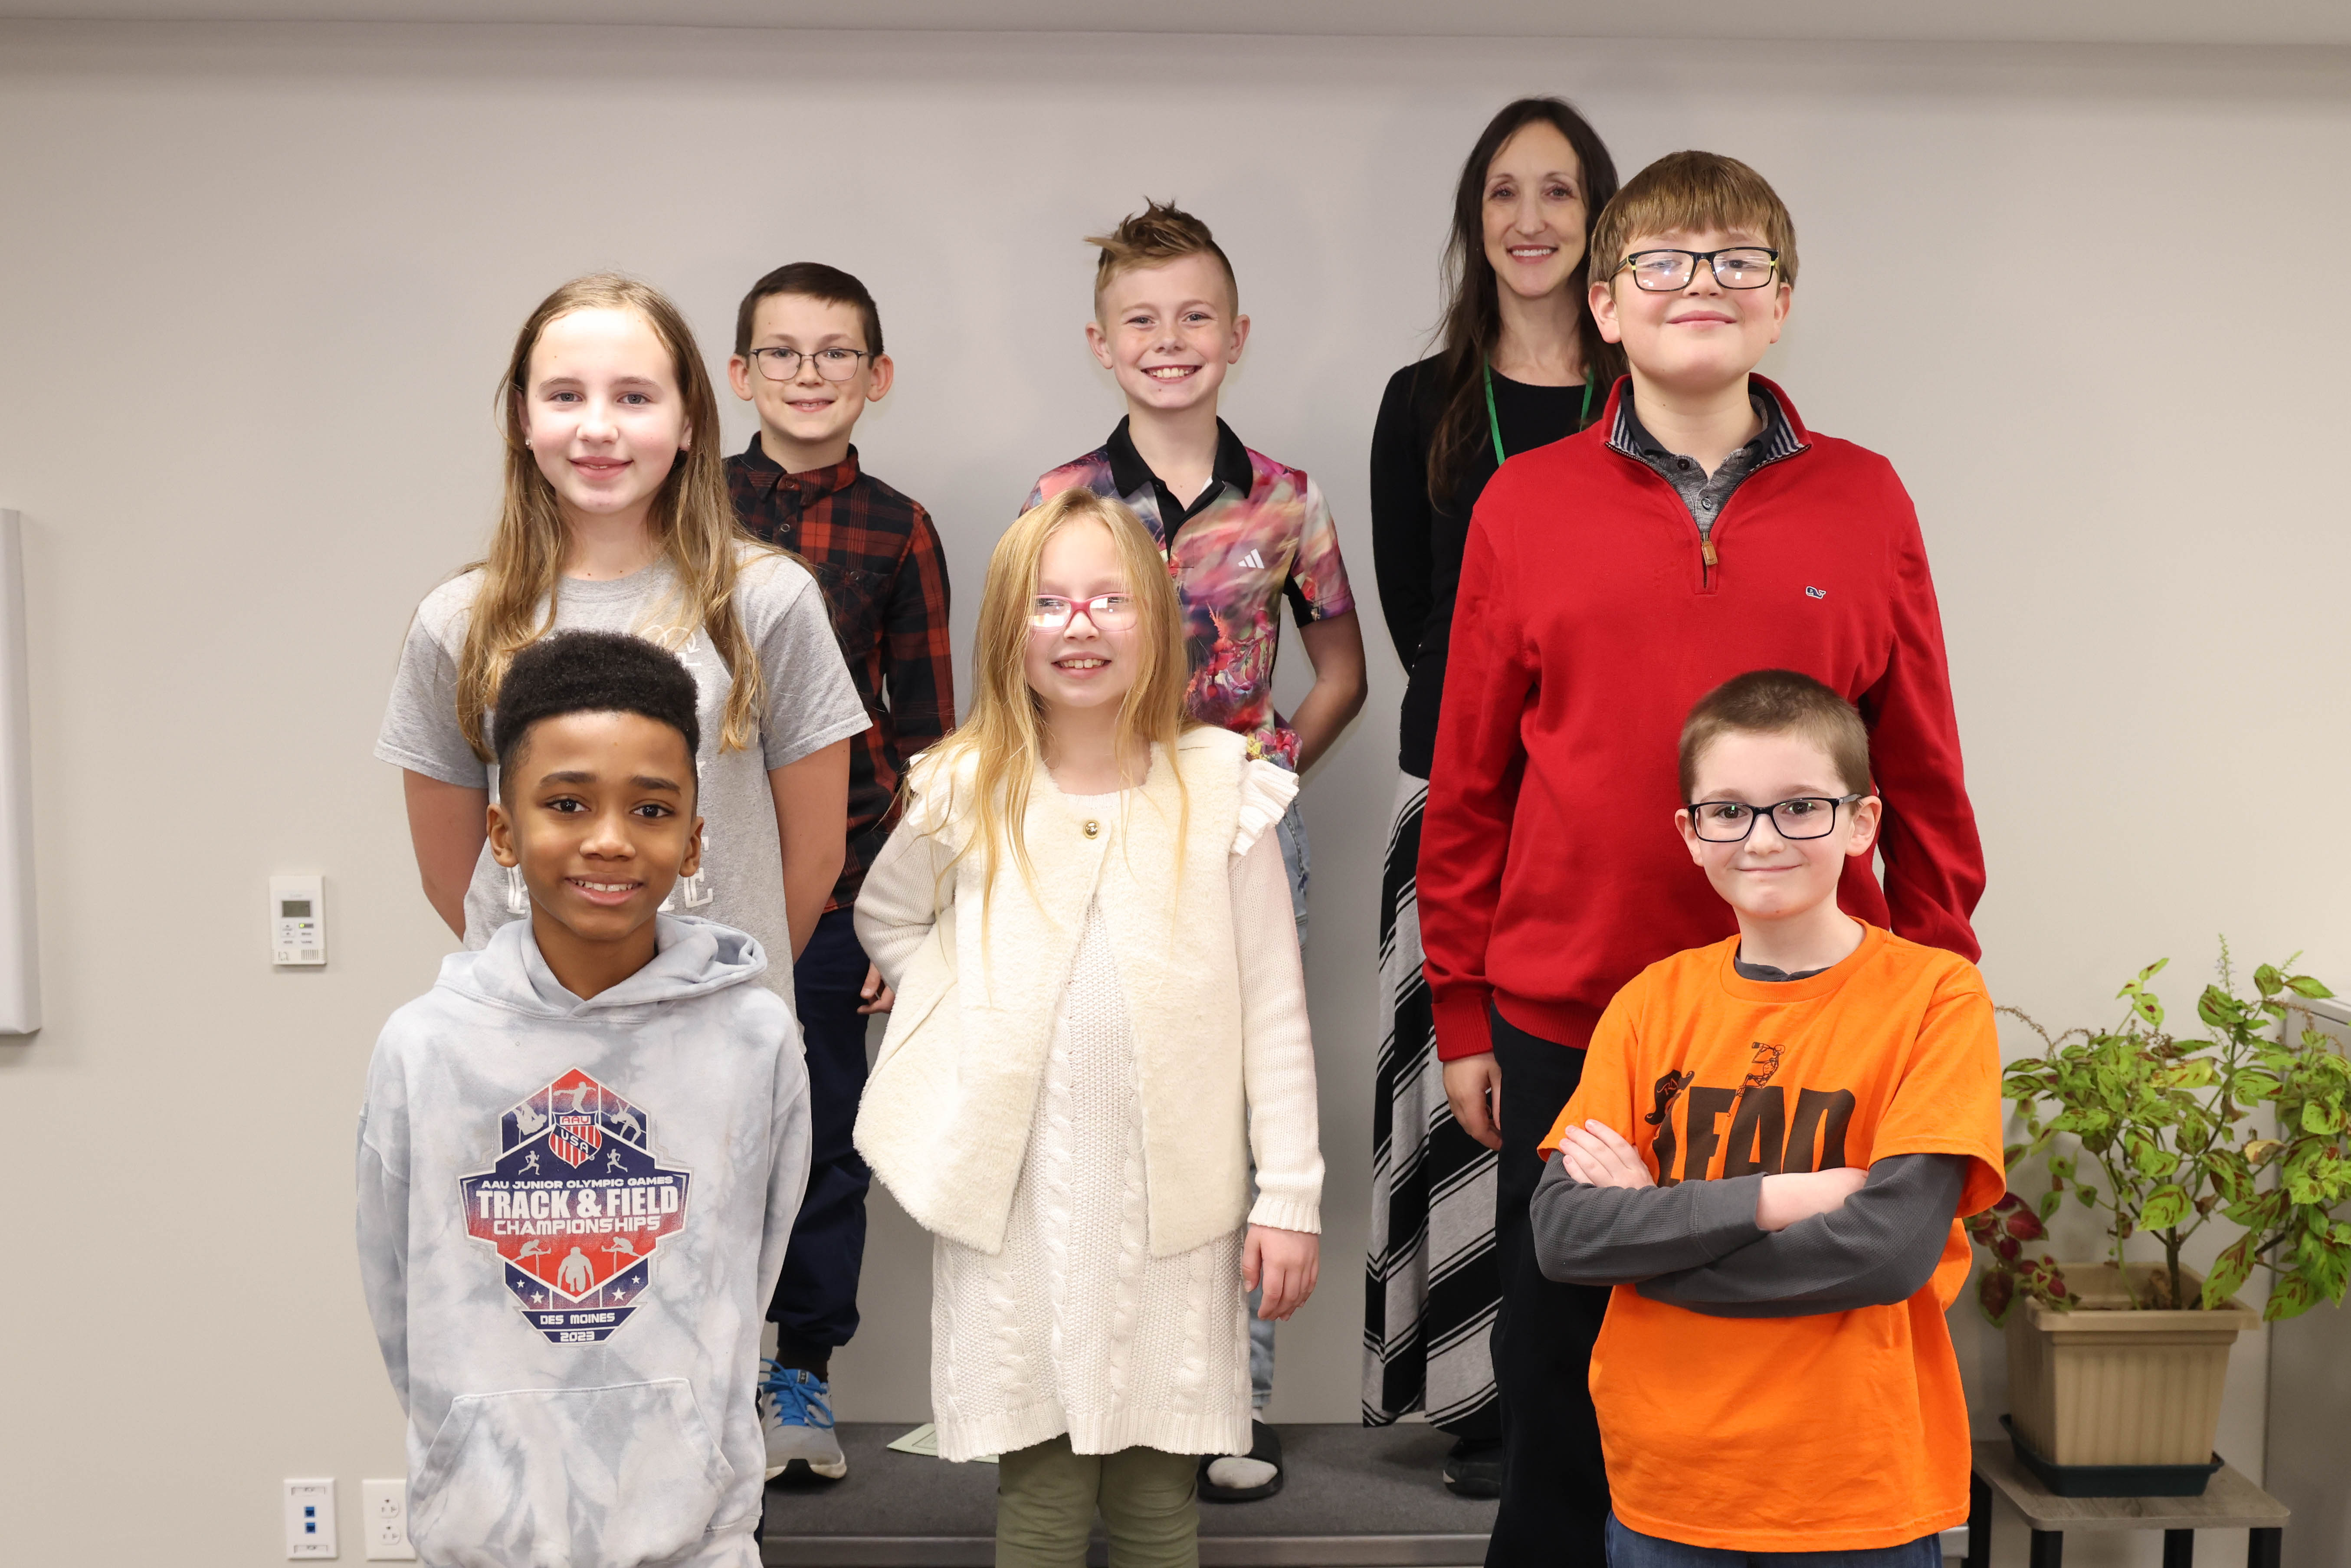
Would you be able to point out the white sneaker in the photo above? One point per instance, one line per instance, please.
(796, 1413)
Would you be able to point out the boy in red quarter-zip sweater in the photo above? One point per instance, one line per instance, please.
(1697, 530)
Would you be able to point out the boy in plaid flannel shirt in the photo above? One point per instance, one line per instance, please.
(807, 356)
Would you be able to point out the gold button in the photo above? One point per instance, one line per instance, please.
(1094, 829)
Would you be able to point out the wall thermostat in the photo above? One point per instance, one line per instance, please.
(297, 919)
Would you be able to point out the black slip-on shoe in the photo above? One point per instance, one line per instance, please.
(1264, 1446)
(1474, 1468)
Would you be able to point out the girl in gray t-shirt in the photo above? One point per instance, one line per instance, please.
(616, 518)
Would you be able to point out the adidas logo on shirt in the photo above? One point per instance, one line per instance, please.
(1254, 561)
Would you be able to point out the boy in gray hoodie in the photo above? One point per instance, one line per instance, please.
(579, 1159)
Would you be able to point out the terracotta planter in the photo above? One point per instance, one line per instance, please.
(2104, 1385)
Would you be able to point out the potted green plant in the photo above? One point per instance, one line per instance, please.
(2121, 1361)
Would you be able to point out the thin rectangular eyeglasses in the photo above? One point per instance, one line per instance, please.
(831, 364)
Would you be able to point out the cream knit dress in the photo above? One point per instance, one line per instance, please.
(1073, 1326)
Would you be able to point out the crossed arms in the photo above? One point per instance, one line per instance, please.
(1763, 1246)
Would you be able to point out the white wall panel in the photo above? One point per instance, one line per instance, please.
(20, 944)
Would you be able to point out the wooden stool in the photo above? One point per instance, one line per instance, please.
(2230, 1503)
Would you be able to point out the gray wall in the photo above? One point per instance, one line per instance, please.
(259, 284)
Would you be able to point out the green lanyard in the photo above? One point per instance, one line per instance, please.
(1494, 421)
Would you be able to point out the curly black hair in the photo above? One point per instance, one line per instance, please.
(592, 672)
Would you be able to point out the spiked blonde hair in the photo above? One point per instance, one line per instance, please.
(1154, 236)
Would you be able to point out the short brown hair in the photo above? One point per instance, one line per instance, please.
(1161, 233)
(1778, 702)
(810, 281)
(1692, 190)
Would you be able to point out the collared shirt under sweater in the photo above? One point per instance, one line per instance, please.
(1593, 612)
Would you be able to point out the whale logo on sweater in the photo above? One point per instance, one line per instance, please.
(575, 1206)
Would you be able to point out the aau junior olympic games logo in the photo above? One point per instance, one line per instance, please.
(574, 1207)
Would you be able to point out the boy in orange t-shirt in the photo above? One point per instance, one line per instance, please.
(1773, 1142)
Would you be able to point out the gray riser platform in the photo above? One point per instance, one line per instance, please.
(1354, 1498)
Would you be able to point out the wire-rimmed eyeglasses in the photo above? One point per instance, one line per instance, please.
(784, 364)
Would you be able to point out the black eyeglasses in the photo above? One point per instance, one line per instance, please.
(784, 364)
(1730, 822)
(1671, 271)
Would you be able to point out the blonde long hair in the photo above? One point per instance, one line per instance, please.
(1002, 744)
(692, 515)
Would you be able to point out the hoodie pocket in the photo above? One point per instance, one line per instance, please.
(587, 1477)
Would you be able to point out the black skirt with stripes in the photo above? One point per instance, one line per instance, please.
(1431, 1284)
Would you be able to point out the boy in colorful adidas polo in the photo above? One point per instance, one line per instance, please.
(1241, 533)
(579, 1157)
(1767, 1156)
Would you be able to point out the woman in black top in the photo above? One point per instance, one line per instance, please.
(1521, 365)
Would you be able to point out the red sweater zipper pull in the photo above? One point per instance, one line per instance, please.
(1705, 551)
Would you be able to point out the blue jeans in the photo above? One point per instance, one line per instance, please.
(1631, 1549)
(1296, 863)
(1291, 833)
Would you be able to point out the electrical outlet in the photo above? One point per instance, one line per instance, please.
(310, 1519)
(383, 1521)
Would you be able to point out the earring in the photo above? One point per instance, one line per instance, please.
(517, 891)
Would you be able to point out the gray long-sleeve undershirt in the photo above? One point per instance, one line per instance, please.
(1696, 1245)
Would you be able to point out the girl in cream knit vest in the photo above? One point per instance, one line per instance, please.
(1100, 1018)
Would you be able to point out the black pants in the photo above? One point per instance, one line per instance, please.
(815, 1304)
(1554, 1509)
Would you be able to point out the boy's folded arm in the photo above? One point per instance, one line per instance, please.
(1876, 1250)
(1619, 1235)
